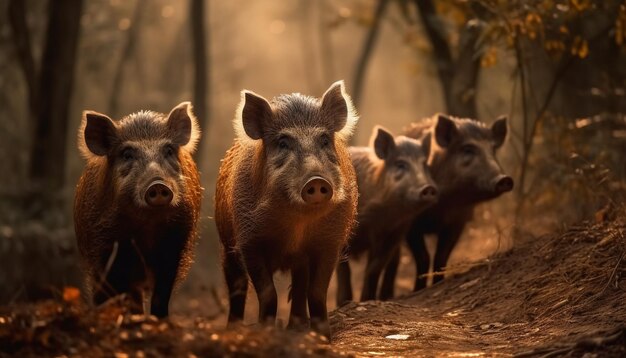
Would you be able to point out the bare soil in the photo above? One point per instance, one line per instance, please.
(562, 294)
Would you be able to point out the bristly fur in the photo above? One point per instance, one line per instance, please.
(142, 124)
(472, 127)
(277, 103)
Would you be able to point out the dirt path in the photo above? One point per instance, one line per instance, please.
(562, 294)
(548, 292)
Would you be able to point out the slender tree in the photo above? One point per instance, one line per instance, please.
(127, 54)
(366, 51)
(50, 88)
(201, 65)
(457, 76)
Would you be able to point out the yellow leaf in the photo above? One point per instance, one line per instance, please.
(489, 58)
(583, 50)
(580, 5)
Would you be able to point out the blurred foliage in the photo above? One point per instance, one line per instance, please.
(581, 168)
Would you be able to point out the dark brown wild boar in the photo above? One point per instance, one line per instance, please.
(286, 200)
(394, 186)
(137, 204)
(464, 166)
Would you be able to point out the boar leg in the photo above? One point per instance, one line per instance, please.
(344, 283)
(389, 277)
(446, 241)
(376, 261)
(237, 282)
(321, 270)
(165, 277)
(165, 264)
(263, 283)
(417, 245)
(299, 286)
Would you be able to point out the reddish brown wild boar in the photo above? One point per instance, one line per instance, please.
(394, 186)
(137, 204)
(463, 164)
(286, 200)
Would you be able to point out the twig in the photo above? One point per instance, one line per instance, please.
(525, 141)
(217, 299)
(109, 264)
(619, 261)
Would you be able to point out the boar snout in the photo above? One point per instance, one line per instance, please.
(317, 190)
(158, 193)
(429, 193)
(503, 184)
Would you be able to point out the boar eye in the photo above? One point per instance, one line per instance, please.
(325, 141)
(169, 150)
(283, 143)
(128, 154)
(468, 150)
(401, 165)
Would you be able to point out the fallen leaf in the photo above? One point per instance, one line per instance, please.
(71, 294)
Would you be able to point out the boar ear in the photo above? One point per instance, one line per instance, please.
(445, 130)
(183, 126)
(384, 143)
(337, 107)
(98, 133)
(254, 113)
(499, 131)
(426, 144)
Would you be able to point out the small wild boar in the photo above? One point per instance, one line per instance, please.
(394, 186)
(464, 166)
(286, 199)
(137, 204)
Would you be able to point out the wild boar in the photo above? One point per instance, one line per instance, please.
(137, 204)
(286, 199)
(464, 166)
(394, 186)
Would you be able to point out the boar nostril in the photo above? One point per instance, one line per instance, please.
(317, 190)
(158, 194)
(504, 184)
(428, 193)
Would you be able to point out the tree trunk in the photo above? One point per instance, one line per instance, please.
(48, 159)
(435, 32)
(462, 96)
(127, 52)
(200, 86)
(366, 52)
(326, 48)
(458, 78)
(21, 38)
